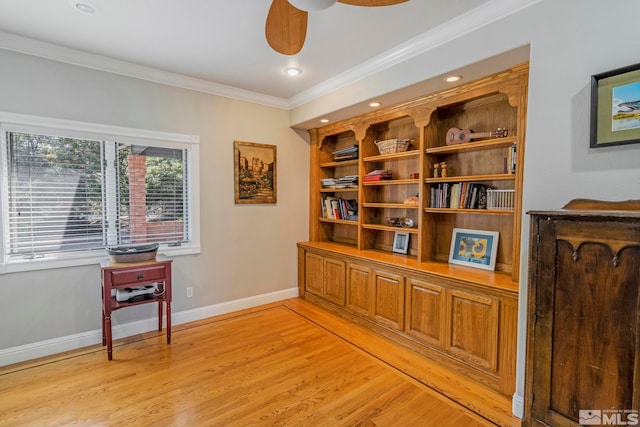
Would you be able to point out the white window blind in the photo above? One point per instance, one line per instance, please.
(69, 189)
(55, 194)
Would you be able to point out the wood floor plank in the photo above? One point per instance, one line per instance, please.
(268, 366)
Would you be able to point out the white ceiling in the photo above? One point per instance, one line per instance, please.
(220, 44)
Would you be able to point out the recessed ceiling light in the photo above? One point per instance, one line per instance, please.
(374, 104)
(451, 79)
(324, 120)
(293, 71)
(83, 6)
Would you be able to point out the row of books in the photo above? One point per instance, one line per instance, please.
(348, 181)
(459, 195)
(348, 153)
(339, 208)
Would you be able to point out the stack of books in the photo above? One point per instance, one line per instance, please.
(347, 181)
(348, 153)
(377, 175)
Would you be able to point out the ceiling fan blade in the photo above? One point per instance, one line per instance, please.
(372, 2)
(286, 27)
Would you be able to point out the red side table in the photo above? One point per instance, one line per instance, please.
(134, 274)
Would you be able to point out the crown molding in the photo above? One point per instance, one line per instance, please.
(463, 24)
(482, 15)
(16, 43)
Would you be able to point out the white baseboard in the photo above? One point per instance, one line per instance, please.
(71, 342)
(517, 405)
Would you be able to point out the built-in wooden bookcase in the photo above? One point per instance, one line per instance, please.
(463, 317)
(492, 103)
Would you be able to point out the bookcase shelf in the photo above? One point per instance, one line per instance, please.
(470, 178)
(508, 212)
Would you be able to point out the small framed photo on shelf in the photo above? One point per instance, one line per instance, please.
(474, 248)
(401, 242)
(615, 107)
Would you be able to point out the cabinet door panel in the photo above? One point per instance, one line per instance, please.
(334, 274)
(389, 299)
(474, 328)
(426, 311)
(314, 274)
(358, 289)
(595, 328)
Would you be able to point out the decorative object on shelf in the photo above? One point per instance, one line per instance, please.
(443, 167)
(398, 222)
(436, 168)
(615, 107)
(255, 172)
(415, 175)
(390, 146)
(482, 197)
(406, 223)
(474, 248)
(401, 243)
(500, 199)
(460, 136)
(413, 200)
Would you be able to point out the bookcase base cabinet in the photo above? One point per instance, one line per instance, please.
(467, 327)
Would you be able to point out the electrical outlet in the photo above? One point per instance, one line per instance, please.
(189, 292)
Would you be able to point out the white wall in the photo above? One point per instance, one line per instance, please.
(569, 41)
(247, 250)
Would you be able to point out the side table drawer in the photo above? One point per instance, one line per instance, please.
(138, 274)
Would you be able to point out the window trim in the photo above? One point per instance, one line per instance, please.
(12, 122)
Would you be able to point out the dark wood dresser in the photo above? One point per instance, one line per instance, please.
(583, 344)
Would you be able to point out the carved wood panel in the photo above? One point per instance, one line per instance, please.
(315, 274)
(426, 308)
(474, 328)
(334, 285)
(358, 289)
(389, 298)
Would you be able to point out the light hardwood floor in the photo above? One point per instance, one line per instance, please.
(283, 364)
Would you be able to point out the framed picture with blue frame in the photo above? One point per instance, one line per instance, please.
(474, 248)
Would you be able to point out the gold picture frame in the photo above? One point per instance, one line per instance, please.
(255, 172)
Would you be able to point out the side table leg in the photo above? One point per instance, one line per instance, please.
(104, 337)
(159, 315)
(107, 325)
(168, 322)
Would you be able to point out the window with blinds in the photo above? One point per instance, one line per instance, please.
(64, 194)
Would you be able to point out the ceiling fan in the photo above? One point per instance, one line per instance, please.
(286, 26)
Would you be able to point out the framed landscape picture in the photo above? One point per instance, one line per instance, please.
(615, 107)
(255, 172)
(474, 248)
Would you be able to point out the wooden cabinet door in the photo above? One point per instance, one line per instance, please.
(426, 312)
(585, 352)
(388, 298)
(334, 280)
(473, 334)
(314, 274)
(359, 289)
